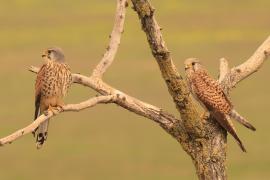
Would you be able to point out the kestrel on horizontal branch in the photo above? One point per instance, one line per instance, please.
(209, 94)
(52, 83)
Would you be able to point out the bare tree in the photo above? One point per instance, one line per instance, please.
(204, 140)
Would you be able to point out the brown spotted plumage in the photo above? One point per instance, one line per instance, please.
(52, 83)
(210, 95)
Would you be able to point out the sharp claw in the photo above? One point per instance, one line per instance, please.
(60, 108)
(54, 110)
(46, 113)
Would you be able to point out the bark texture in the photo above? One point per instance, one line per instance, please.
(201, 137)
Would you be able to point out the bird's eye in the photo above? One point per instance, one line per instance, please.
(49, 51)
(193, 63)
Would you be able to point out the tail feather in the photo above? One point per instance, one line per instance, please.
(42, 134)
(240, 143)
(227, 124)
(235, 115)
(230, 128)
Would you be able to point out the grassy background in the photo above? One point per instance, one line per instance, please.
(107, 142)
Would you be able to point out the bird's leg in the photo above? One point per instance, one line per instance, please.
(53, 109)
(60, 106)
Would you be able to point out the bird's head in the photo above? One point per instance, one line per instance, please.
(192, 64)
(54, 54)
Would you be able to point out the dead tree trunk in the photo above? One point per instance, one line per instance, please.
(201, 137)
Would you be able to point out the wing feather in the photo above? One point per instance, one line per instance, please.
(211, 95)
(38, 88)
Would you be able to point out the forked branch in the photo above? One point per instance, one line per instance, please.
(244, 70)
(70, 107)
(203, 139)
(115, 38)
(109, 94)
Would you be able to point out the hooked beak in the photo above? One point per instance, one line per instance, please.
(43, 55)
(186, 67)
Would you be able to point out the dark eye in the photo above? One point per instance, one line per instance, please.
(193, 63)
(49, 51)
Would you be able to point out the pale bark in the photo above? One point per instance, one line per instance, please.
(235, 75)
(70, 107)
(204, 140)
(109, 94)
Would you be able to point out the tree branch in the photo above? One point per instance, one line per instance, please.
(252, 65)
(70, 107)
(115, 37)
(175, 83)
(224, 69)
(202, 138)
(130, 103)
(95, 82)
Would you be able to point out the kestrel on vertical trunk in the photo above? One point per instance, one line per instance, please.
(52, 83)
(210, 95)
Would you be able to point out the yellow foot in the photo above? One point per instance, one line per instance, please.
(54, 110)
(60, 107)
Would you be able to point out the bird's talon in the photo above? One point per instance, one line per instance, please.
(46, 113)
(59, 108)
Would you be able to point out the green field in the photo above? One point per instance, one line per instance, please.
(108, 142)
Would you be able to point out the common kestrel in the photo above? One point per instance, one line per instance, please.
(52, 83)
(210, 95)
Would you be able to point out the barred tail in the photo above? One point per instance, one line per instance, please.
(42, 134)
(235, 115)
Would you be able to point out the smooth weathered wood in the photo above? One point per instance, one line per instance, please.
(115, 39)
(204, 140)
(250, 66)
(70, 107)
(109, 94)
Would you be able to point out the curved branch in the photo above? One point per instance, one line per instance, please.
(70, 107)
(203, 139)
(251, 66)
(115, 37)
(130, 103)
(95, 82)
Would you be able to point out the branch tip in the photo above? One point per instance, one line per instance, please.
(115, 38)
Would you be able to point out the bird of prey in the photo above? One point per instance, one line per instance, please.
(52, 83)
(210, 95)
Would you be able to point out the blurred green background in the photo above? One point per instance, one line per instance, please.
(108, 142)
